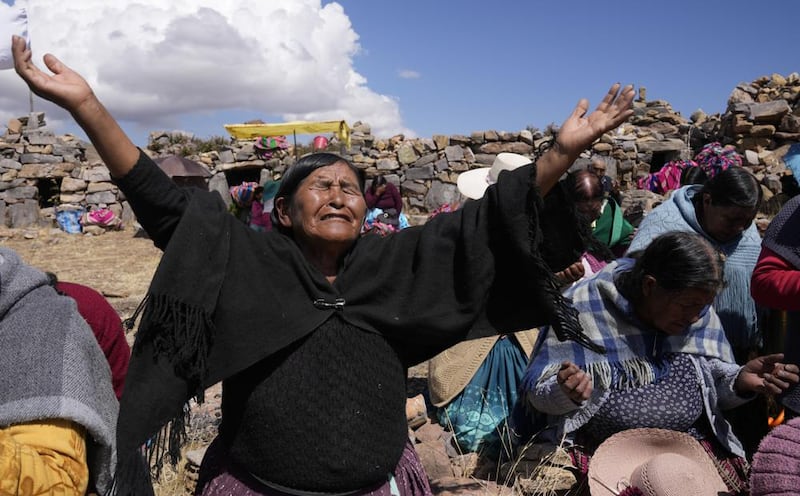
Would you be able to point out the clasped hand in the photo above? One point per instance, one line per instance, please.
(574, 382)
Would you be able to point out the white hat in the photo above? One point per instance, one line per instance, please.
(473, 183)
(658, 462)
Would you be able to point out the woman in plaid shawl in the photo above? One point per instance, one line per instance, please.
(667, 363)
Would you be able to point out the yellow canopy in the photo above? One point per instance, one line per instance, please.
(249, 131)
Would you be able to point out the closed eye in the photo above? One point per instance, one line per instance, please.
(325, 185)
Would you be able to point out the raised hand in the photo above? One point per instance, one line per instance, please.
(574, 382)
(65, 87)
(766, 374)
(580, 130)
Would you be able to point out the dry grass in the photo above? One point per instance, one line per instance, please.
(117, 263)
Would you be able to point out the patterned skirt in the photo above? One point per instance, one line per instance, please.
(478, 417)
(219, 476)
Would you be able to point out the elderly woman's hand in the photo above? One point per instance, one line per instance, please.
(579, 131)
(574, 382)
(767, 374)
(65, 87)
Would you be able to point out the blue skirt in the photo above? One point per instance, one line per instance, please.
(478, 417)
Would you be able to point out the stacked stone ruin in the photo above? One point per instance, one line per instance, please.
(41, 173)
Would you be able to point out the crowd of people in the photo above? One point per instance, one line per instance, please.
(543, 313)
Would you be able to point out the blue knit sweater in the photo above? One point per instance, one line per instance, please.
(735, 306)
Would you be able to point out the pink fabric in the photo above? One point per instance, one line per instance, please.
(776, 464)
(102, 217)
(258, 217)
(668, 178)
(594, 263)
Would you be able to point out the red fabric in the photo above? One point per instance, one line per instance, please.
(106, 326)
(775, 282)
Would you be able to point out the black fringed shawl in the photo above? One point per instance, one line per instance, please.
(225, 297)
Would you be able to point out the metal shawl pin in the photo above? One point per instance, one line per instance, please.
(322, 304)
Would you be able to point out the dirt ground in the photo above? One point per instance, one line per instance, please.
(119, 264)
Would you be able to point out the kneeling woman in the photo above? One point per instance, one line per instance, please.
(667, 363)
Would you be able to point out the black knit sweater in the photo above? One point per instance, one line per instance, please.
(313, 392)
(333, 403)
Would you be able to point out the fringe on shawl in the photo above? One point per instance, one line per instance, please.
(184, 334)
(564, 317)
(132, 477)
(136, 471)
(181, 332)
(627, 374)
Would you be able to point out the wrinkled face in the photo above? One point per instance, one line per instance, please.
(725, 223)
(672, 312)
(327, 210)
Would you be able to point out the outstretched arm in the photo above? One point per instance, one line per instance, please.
(579, 131)
(67, 89)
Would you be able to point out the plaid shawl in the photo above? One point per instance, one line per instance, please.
(634, 354)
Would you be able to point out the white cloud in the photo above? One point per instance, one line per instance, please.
(408, 74)
(151, 61)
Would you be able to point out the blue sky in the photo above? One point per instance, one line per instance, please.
(414, 67)
(504, 65)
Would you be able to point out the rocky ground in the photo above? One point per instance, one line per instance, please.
(120, 264)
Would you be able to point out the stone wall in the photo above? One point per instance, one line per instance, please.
(41, 173)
